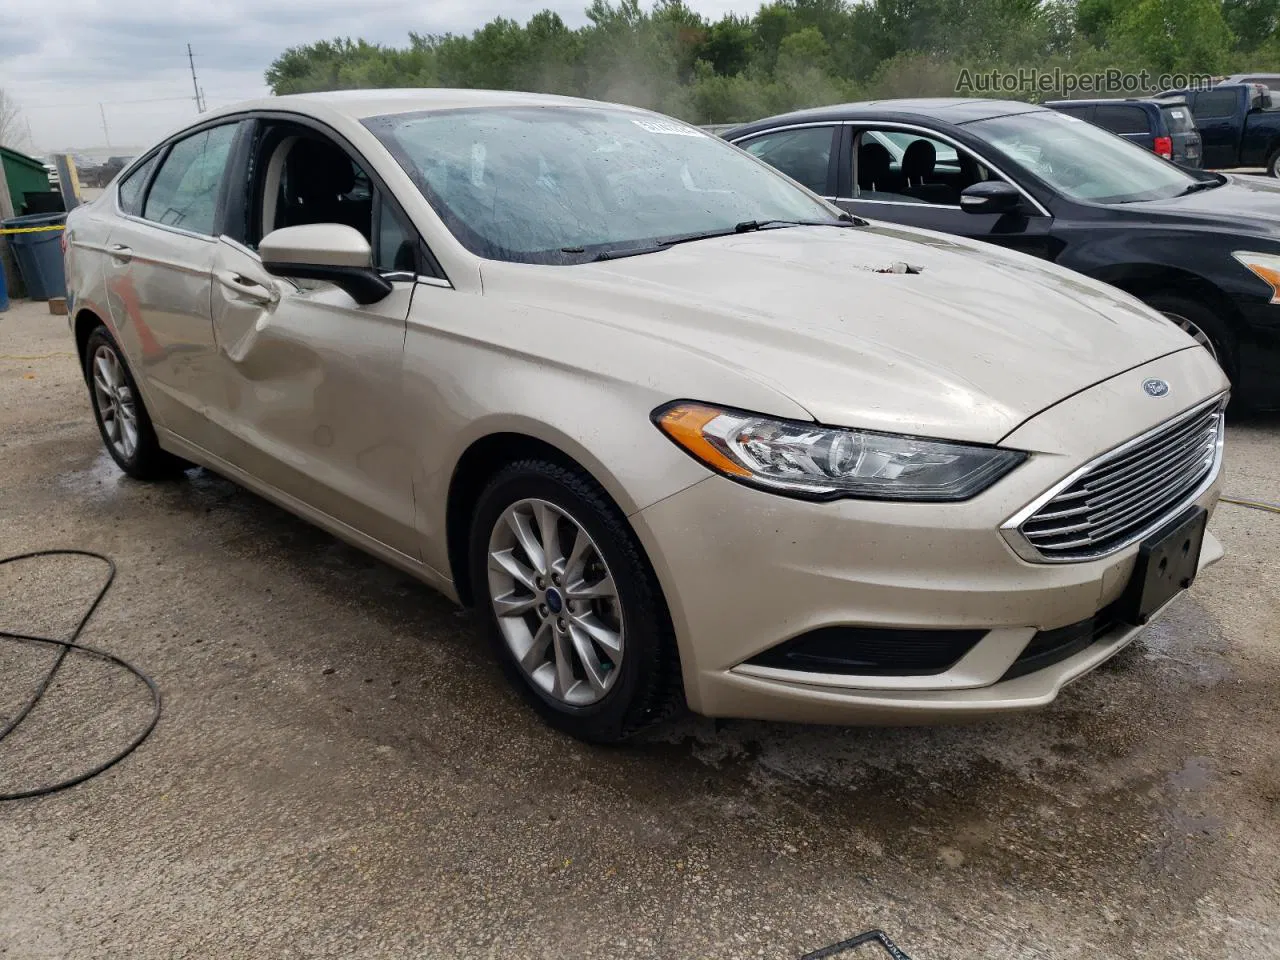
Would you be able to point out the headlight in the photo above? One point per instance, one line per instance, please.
(1266, 266)
(824, 463)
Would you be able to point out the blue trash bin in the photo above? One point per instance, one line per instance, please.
(39, 254)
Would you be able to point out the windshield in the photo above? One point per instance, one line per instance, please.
(1082, 161)
(561, 184)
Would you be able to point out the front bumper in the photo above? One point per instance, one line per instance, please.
(744, 570)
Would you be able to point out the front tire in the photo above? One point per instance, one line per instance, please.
(1203, 325)
(120, 413)
(571, 604)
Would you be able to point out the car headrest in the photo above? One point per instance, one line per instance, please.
(873, 164)
(919, 160)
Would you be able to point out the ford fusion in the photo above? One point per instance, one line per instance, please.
(680, 431)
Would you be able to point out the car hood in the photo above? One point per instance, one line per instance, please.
(1244, 204)
(968, 345)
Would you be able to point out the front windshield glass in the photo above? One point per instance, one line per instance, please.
(564, 184)
(1082, 161)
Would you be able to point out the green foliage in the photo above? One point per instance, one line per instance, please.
(1167, 34)
(1253, 22)
(795, 53)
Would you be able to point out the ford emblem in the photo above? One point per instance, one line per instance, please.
(1155, 387)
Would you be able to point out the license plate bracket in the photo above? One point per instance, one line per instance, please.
(1166, 565)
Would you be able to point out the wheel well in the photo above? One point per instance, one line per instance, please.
(86, 322)
(481, 461)
(1143, 281)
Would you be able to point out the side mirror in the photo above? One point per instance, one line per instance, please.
(990, 196)
(325, 251)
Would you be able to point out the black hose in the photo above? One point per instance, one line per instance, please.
(64, 647)
(878, 937)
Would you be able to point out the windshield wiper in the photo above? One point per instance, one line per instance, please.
(844, 220)
(1200, 185)
(751, 226)
(610, 253)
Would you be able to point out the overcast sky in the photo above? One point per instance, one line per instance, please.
(60, 58)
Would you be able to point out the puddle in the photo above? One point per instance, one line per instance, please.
(1195, 774)
(100, 481)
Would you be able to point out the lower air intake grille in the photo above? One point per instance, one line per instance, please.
(1125, 494)
(866, 651)
(1053, 646)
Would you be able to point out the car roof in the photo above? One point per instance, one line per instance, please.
(359, 104)
(1135, 101)
(954, 110)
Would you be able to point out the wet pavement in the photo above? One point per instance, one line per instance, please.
(341, 771)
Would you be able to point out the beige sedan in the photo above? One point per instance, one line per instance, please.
(680, 430)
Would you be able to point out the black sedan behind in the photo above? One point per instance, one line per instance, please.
(1202, 248)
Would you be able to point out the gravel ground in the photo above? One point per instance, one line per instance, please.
(341, 772)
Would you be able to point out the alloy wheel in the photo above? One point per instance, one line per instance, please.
(556, 602)
(1195, 332)
(115, 402)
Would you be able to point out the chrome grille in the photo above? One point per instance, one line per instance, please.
(1131, 491)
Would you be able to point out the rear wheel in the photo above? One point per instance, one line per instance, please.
(1202, 324)
(571, 604)
(120, 413)
(1273, 164)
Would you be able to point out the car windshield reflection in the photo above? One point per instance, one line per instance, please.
(1082, 161)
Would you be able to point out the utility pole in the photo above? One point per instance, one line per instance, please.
(105, 133)
(195, 85)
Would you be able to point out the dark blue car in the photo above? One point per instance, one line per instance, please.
(1165, 127)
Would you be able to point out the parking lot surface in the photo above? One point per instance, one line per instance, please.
(341, 771)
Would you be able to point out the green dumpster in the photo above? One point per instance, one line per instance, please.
(24, 174)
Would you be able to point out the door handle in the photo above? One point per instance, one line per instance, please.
(120, 253)
(247, 287)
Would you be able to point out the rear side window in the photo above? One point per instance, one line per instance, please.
(1121, 119)
(1081, 111)
(185, 191)
(1178, 119)
(1214, 103)
(804, 155)
(131, 187)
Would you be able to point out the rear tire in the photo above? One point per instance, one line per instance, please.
(1202, 324)
(1273, 163)
(579, 622)
(121, 416)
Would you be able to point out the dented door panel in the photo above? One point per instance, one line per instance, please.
(312, 394)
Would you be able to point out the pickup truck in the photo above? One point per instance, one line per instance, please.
(1238, 125)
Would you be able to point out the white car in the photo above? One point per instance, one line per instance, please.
(678, 428)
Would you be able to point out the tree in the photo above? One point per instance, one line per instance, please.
(1168, 35)
(13, 130)
(727, 46)
(1253, 22)
(794, 53)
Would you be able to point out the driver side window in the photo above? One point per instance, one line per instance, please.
(305, 178)
(902, 166)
